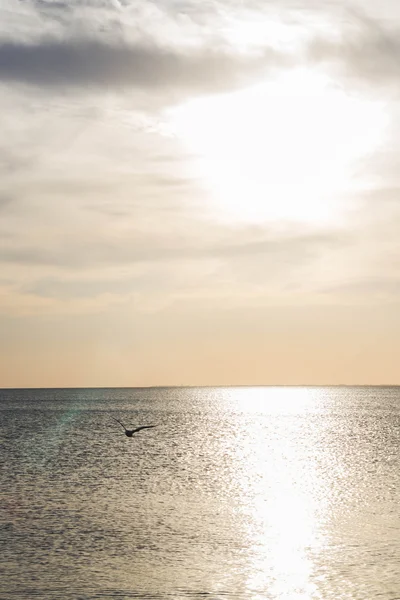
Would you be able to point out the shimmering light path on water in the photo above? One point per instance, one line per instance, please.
(238, 494)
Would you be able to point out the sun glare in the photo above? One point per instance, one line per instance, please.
(283, 149)
(282, 494)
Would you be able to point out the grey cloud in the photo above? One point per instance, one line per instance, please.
(83, 64)
(55, 10)
(5, 201)
(382, 199)
(11, 162)
(9, 205)
(366, 51)
(378, 213)
(75, 16)
(365, 58)
(53, 288)
(52, 5)
(99, 252)
(378, 288)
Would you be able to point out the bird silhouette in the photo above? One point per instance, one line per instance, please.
(130, 432)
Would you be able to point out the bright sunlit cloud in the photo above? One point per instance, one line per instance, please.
(283, 149)
(247, 32)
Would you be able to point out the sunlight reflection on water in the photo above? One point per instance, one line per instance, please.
(280, 501)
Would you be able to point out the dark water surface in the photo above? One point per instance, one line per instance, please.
(237, 494)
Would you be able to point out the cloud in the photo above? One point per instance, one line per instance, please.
(60, 12)
(104, 190)
(366, 51)
(76, 251)
(64, 273)
(84, 64)
(14, 302)
(5, 201)
(378, 289)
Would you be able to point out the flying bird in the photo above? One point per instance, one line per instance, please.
(130, 432)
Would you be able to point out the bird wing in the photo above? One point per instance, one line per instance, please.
(122, 425)
(143, 427)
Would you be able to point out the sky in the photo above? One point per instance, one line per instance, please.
(199, 193)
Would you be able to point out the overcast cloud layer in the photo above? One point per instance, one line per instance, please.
(101, 216)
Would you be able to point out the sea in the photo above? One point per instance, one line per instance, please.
(246, 493)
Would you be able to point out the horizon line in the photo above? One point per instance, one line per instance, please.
(194, 386)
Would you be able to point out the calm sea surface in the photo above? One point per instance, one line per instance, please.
(237, 494)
